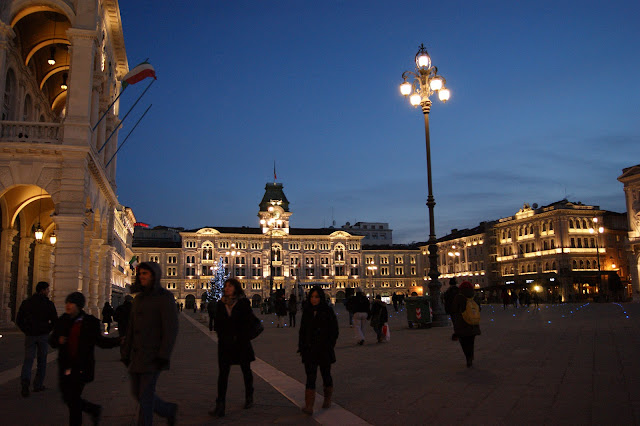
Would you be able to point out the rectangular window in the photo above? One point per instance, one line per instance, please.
(354, 260)
(412, 259)
(223, 244)
(368, 260)
(384, 270)
(339, 270)
(256, 246)
(399, 270)
(384, 260)
(355, 271)
(413, 270)
(399, 260)
(294, 246)
(325, 272)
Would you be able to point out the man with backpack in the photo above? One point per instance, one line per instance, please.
(465, 314)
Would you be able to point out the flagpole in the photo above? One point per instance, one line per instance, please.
(109, 108)
(125, 116)
(127, 137)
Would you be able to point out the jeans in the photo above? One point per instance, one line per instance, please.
(143, 387)
(311, 368)
(71, 387)
(33, 344)
(223, 379)
(359, 321)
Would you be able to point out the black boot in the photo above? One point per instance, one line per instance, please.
(248, 400)
(25, 389)
(218, 411)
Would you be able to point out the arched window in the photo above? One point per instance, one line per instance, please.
(27, 109)
(553, 265)
(588, 264)
(584, 224)
(581, 264)
(553, 243)
(522, 269)
(579, 242)
(528, 268)
(578, 224)
(506, 271)
(571, 224)
(207, 251)
(276, 253)
(545, 245)
(544, 226)
(575, 264)
(339, 253)
(504, 235)
(509, 233)
(520, 231)
(546, 266)
(9, 96)
(550, 226)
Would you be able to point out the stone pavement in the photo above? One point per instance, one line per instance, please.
(561, 364)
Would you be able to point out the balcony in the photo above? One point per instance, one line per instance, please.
(23, 131)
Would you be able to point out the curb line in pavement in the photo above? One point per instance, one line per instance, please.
(292, 389)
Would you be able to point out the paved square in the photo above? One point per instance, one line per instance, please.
(561, 364)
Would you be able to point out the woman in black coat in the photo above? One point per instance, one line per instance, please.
(316, 343)
(233, 325)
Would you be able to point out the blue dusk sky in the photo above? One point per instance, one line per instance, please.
(544, 105)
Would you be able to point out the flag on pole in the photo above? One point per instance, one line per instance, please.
(133, 263)
(138, 74)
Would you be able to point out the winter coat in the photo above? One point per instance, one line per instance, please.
(361, 304)
(318, 334)
(292, 306)
(379, 314)
(281, 307)
(211, 308)
(152, 329)
(36, 315)
(449, 295)
(90, 336)
(234, 344)
(107, 314)
(460, 326)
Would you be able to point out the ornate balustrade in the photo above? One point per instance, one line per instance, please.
(24, 131)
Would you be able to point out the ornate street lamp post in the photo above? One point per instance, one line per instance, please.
(598, 230)
(419, 85)
(372, 271)
(233, 253)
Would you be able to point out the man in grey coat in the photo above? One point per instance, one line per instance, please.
(151, 335)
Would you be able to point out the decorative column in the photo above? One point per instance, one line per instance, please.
(67, 273)
(5, 272)
(104, 275)
(77, 126)
(6, 34)
(23, 275)
(95, 299)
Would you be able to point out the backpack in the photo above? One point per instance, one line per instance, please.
(471, 314)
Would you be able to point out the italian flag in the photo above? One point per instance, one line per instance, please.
(138, 74)
(133, 263)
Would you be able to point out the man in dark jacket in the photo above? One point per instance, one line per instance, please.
(449, 295)
(151, 335)
(75, 335)
(361, 313)
(36, 317)
(379, 316)
(122, 314)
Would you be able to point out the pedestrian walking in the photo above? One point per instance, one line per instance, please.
(536, 299)
(76, 334)
(514, 298)
(349, 306)
(211, 310)
(107, 317)
(234, 319)
(379, 316)
(361, 312)
(394, 300)
(181, 306)
(292, 306)
(147, 347)
(36, 318)
(505, 298)
(316, 342)
(281, 310)
(122, 314)
(465, 331)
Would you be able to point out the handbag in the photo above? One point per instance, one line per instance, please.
(386, 332)
(256, 327)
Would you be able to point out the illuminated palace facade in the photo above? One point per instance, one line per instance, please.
(563, 250)
(277, 256)
(60, 220)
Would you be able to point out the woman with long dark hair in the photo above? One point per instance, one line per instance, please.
(316, 343)
(233, 325)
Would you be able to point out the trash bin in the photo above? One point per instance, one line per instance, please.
(418, 311)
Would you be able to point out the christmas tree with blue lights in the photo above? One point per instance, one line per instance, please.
(216, 285)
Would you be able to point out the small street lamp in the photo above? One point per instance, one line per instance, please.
(372, 270)
(453, 255)
(419, 85)
(233, 253)
(597, 230)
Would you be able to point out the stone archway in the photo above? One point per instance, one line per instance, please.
(189, 301)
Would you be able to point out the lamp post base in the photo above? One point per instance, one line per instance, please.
(440, 318)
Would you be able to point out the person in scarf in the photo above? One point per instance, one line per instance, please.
(316, 342)
(233, 325)
(75, 335)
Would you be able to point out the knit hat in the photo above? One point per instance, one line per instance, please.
(466, 284)
(76, 298)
